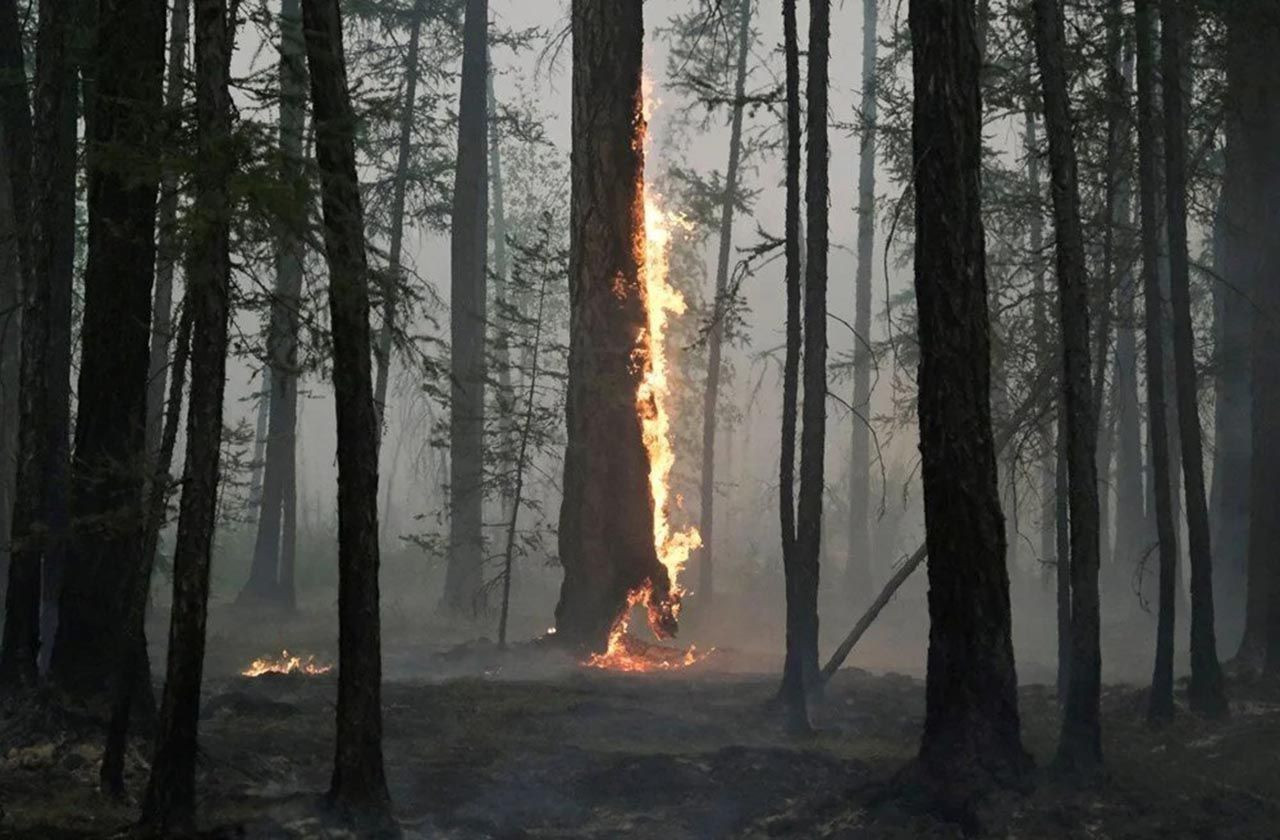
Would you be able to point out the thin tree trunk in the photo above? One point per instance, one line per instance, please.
(110, 443)
(263, 402)
(171, 789)
(265, 584)
(858, 567)
(1207, 693)
(390, 295)
(1080, 744)
(127, 676)
(971, 731)
(606, 516)
(1160, 707)
(359, 786)
(715, 340)
(469, 250)
(167, 248)
(504, 399)
(793, 687)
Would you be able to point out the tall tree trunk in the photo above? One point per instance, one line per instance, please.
(167, 247)
(1080, 745)
(129, 676)
(391, 294)
(110, 445)
(858, 568)
(15, 256)
(359, 786)
(262, 400)
(469, 251)
(265, 584)
(171, 788)
(606, 516)
(1206, 694)
(971, 731)
(793, 688)
(1160, 706)
(715, 340)
(1253, 173)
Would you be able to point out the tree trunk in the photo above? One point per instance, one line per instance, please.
(710, 400)
(265, 584)
(971, 731)
(1080, 745)
(469, 251)
(263, 402)
(15, 255)
(359, 786)
(858, 568)
(167, 247)
(793, 687)
(1253, 85)
(129, 675)
(171, 789)
(390, 295)
(606, 517)
(1160, 707)
(1207, 693)
(110, 447)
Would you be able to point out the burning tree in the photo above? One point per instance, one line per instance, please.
(616, 544)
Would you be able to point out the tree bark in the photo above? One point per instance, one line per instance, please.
(858, 568)
(1253, 88)
(606, 516)
(793, 688)
(273, 541)
(390, 295)
(971, 731)
(1080, 744)
(715, 340)
(359, 786)
(469, 250)
(110, 445)
(171, 788)
(1207, 693)
(1160, 705)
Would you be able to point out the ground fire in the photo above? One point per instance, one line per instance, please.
(286, 663)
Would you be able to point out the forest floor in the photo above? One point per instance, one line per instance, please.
(529, 744)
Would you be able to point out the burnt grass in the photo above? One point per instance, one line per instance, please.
(527, 743)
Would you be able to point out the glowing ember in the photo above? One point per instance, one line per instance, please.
(286, 664)
(662, 301)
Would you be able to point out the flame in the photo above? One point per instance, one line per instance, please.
(673, 546)
(285, 664)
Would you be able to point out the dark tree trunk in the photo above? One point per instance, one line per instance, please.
(793, 687)
(858, 568)
(1161, 701)
(606, 517)
(359, 786)
(1062, 546)
(469, 250)
(39, 518)
(1207, 694)
(715, 340)
(1253, 171)
(128, 676)
(1080, 745)
(171, 795)
(15, 255)
(390, 295)
(167, 247)
(971, 731)
(110, 450)
(801, 666)
(273, 542)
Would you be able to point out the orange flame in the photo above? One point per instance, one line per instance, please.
(285, 664)
(673, 547)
